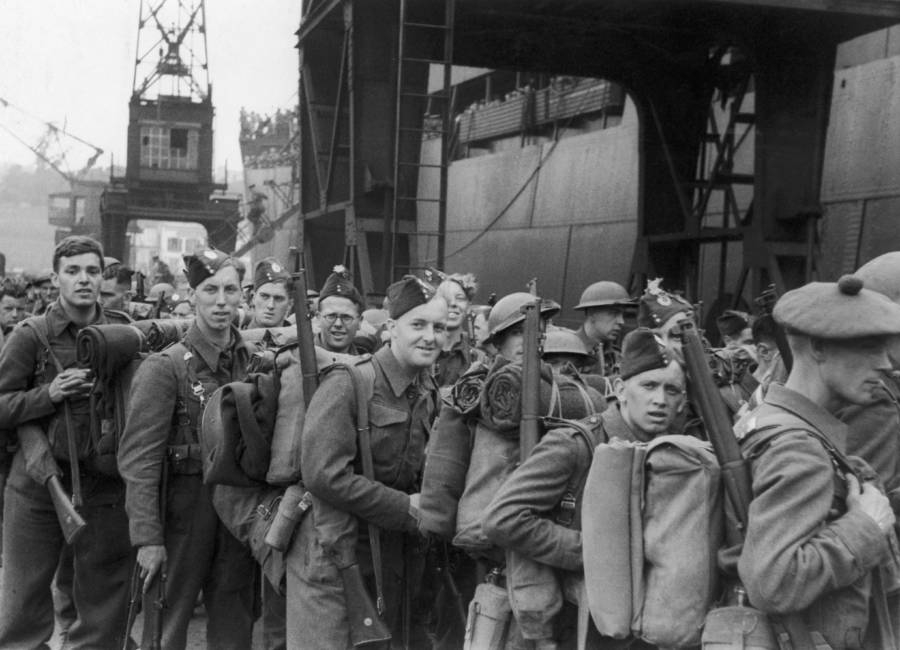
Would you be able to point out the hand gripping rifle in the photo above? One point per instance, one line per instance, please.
(735, 469)
(529, 426)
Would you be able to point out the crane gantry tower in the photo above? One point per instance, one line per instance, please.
(169, 168)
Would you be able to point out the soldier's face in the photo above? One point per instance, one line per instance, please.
(12, 310)
(338, 320)
(511, 345)
(217, 298)
(606, 322)
(670, 332)
(457, 303)
(853, 369)
(418, 336)
(651, 400)
(78, 280)
(112, 294)
(271, 303)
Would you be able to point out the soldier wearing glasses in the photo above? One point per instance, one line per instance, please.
(340, 306)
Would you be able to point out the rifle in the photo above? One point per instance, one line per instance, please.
(766, 302)
(134, 605)
(529, 427)
(735, 469)
(41, 466)
(307, 347)
(159, 603)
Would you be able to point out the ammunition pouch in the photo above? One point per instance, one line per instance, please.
(185, 459)
(489, 617)
(738, 628)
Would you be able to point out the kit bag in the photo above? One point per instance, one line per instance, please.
(652, 521)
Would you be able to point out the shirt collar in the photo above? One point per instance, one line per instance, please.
(58, 319)
(397, 378)
(209, 351)
(614, 425)
(813, 414)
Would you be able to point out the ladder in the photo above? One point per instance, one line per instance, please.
(427, 115)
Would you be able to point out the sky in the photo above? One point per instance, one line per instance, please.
(71, 62)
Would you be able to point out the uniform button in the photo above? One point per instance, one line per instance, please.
(411, 393)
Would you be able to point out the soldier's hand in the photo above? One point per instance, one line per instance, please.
(869, 500)
(152, 559)
(70, 383)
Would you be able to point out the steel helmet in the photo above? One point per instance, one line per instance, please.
(508, 312)
(562, 341)
(604, 294)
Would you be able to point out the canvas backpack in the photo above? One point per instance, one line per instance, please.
(652, 524)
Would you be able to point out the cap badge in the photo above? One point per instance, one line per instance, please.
(210, 255)
(276, 267)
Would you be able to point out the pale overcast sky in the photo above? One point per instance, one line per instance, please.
(72, 62)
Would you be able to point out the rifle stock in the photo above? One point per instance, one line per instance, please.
(70, 521)
(307, 346)
(529, 427)
(41, 467)
(366, 626)
(735, 470)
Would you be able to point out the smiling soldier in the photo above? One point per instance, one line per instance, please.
(338, 316)
(400, 411)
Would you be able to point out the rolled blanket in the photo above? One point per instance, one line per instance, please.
(466, 392)
(162, 332)
(562, 396)
(107, 349)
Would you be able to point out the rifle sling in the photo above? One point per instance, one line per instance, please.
(41, 334)
(365, 452)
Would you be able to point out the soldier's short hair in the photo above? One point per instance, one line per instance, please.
(76, 245)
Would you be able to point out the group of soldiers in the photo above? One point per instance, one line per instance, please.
(818, 546)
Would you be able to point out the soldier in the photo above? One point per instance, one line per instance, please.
(537, 511)
(191, 548)
(13, 309)
(337, 316)
(814, 533)
(661, 311)
(271, 300)
(115, 290)
(458, 352)
(604, 304)
(43, 293)
(32, 388)
(736, 329)
(400, 413)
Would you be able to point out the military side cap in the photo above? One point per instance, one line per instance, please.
(604, 294)
(642, 350)
(204, 264)
(339, 284)
(408, 293)
(656, 305)
(732, 322)
(269, 270)
(882, 274)
(838, 310)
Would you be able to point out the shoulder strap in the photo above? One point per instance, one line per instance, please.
(363, 375)
(568, 505)
(765, 435)
(41, 329)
